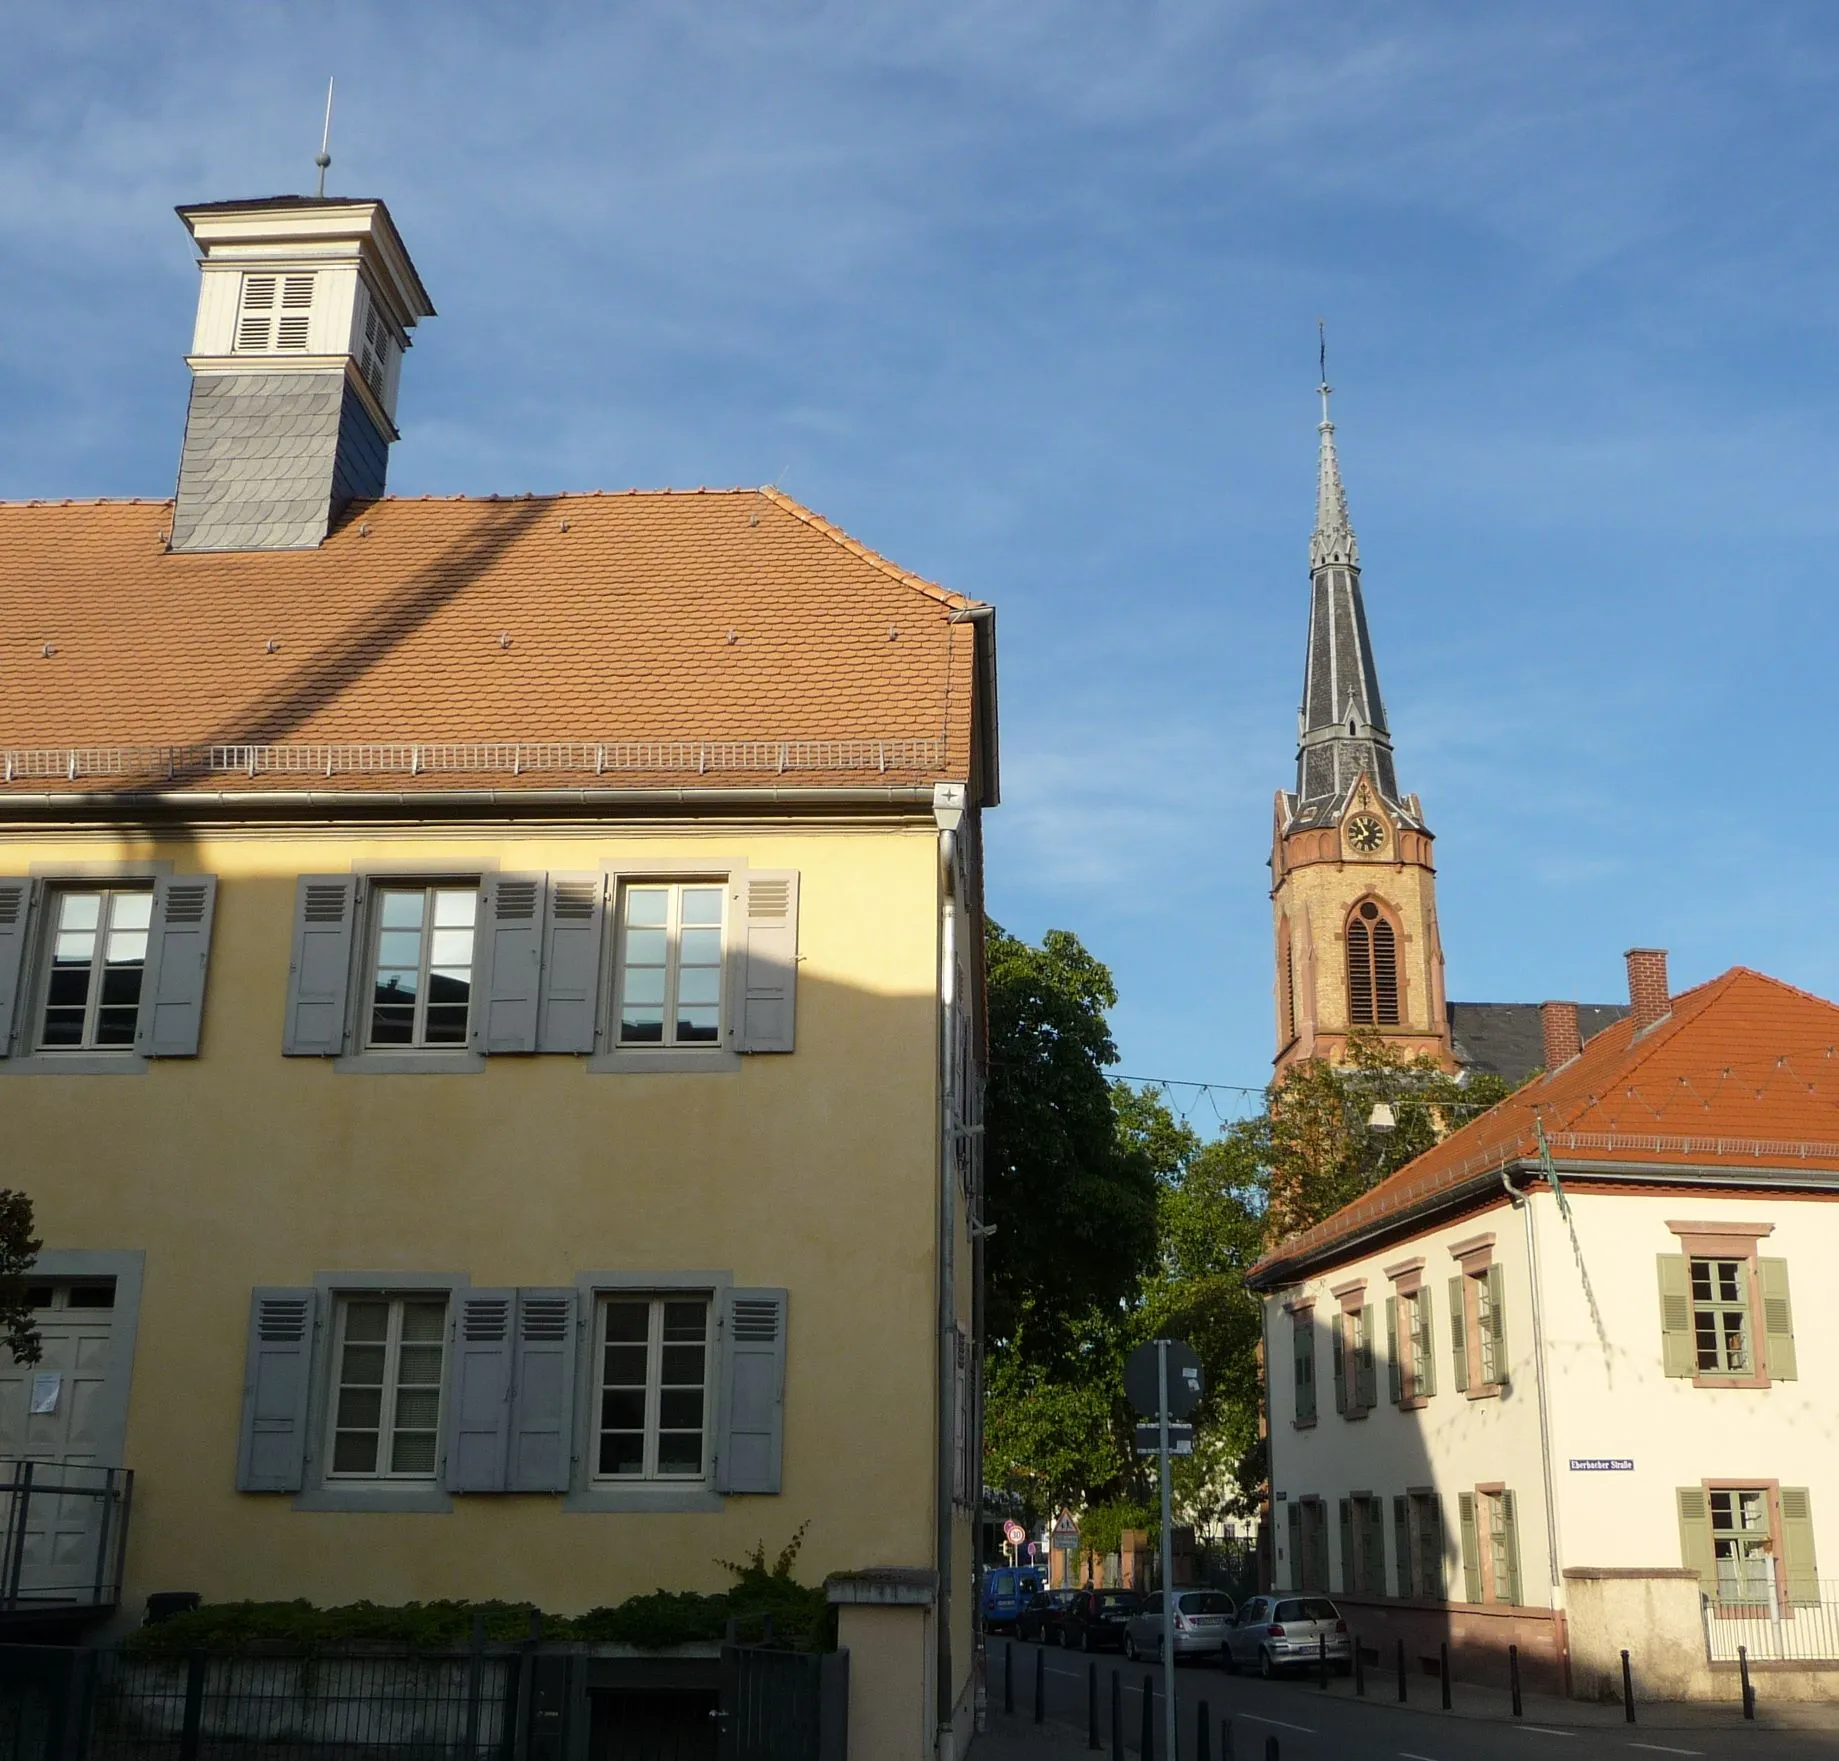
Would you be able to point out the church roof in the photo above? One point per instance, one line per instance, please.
(1508, 1039)
(1341, 727)
(691, 641)
(1741, 1076)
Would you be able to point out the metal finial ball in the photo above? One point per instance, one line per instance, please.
(322, 160)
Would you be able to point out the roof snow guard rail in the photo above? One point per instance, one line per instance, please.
(473, 758)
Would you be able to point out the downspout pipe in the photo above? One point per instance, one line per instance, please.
(1521, 1202)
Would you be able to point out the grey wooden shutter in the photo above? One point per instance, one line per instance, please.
(1436, 1551)
(1497, 1320)
(1777, 1319)
(479, 1391)
(1295, 1526)
(277, 1387)
(1695, 1548)
(178, 948)
(1337, 1359)
(574, 923)
(508, 963)
(1458, 1335)
(753, 1392)
(319, 974)
(1678, 1352)
(1510, 1520)
(1395, 1370)
(1401, 1542)
(1348, 1575)
(768, 898)
(17, 896)
(1471, 1547)
(1797, 1547)
(543, 1390)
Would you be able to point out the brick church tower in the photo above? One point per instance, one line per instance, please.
(1353, 892)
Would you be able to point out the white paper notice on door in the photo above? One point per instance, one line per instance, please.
(47, 1385)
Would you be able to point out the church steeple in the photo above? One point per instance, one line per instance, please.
(1341, 727)
(1353, 891)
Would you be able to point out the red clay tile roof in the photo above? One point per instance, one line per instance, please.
(1744, 1073)
(705, 638)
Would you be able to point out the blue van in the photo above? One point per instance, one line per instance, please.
(1006, 1590)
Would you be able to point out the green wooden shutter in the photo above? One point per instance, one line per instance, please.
(319, 974)
(752, 1436)
(1347, 1546)
(1295, 1526)
(478, 1398)
(1426, 1312)
(1679, 1355)
(277, 1385)
(178, 946)
(1366, 1370)
(1338, 1360)
(1777, 1319)
(1373, 1546)
(1497, 1320)
(17, 895)
(1395, 1371)
(1471, 1547)
(1437, 1548)
(1304, 1345)
(1458, 1335)
(1401, 1542)
(1510, 1517)
(1797, 1546)
(1695, 1549)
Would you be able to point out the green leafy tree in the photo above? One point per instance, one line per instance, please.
(18, 1250)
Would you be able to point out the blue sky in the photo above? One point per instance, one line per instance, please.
(1025, 296)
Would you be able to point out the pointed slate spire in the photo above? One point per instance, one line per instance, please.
(1341, 726)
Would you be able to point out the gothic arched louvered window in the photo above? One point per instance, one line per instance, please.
(1372, 968)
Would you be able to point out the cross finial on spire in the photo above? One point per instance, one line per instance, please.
(1332, 541)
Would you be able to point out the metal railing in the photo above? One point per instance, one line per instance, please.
(63, 1535)
(1774, 1629)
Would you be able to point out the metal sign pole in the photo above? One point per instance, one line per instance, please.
(1169, 1721)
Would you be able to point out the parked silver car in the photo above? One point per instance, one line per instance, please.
(1202, 1618)
(1286, 1632)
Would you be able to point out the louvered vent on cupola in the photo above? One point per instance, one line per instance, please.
(276, 313)
(374, 347)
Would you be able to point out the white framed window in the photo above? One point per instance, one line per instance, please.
(652, 1376)
(1721, 1316)
(1741, 1543)
(669, 963)
(421, 964)
(95, 960)
(388, 1355)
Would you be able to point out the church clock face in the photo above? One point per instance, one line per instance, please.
(1365, 833)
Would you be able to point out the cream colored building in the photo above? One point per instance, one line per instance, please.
(1563, 1382)
(491, 1013)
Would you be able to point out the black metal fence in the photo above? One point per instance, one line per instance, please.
(63, 1534)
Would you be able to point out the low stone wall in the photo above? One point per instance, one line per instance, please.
(1478, 1636)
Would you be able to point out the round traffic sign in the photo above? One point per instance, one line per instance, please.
(1141, 1375)
(1014, 1533)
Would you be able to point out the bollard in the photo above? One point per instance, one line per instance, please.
(1146, 1745)
(1628, 1691)
(1443, 1670)
(1117, 1717)
(1009, 1677)
(1402, 1691)
(1749, 1693)
(1270, 1749)
(1092, 1740)
(1359, 1668)
(1201, 1751)
(1040, 1685)
(1513, 1679)
(1321, 1659)
(1225, 1739)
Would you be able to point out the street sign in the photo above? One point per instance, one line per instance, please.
(1181, 1439)
(1184, 1380)
(1014, 1533)
(1066, 1533)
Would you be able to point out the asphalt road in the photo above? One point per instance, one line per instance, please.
(1310, 1725)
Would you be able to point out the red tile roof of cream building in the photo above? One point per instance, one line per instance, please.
(639, 640)
(1742, 1074)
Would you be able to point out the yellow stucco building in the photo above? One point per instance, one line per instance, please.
(491, 1012)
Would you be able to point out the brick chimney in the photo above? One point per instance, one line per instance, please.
(1648, 997)
(1564, 1039)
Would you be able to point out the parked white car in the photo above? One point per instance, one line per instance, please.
(1202, 1618)
(1286, 1632)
